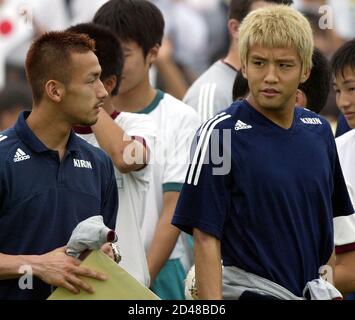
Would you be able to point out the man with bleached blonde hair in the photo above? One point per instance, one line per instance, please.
(270, 217)
(212, 91)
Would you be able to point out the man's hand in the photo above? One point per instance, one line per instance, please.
(107, 249)
(60, 270)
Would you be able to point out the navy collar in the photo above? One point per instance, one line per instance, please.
(30, 139)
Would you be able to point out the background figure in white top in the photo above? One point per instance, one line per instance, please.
(127, 138)
(343, 66)
(176, 123)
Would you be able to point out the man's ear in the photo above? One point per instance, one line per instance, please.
(110, 83)
(243, 71)
(153, 54)
(305, 75)
(301, 99)
(54, 90)
(233, 28)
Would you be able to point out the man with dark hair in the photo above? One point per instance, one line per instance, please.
(110, 60)
(139, 25)
(50, 180)
(311, 94)
(343, 67)
(14, 98)
(212, 91)
(118, 135)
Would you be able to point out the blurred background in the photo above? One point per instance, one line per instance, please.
(196, 35)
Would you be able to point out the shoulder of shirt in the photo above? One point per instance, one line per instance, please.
(143, 123)
(180, 107)
(308, 117)
(95, 153)
(8, 141)
(224, 119)
(215, 74)
(133, 116)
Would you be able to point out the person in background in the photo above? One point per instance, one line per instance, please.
(168, 252)
(343, 67)
(128, 138)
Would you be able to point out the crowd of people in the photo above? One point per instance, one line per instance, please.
(212, 151)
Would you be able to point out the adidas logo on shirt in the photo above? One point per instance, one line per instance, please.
(311, 120)
(240, 125)
(20, 156)
(2, 137)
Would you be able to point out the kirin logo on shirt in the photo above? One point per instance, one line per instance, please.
(82, 164)
(311, 120)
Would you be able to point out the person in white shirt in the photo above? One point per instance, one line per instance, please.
(343, 66)
(128, 139)
(140, 25)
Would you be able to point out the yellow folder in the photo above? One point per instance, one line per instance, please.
(120, 285)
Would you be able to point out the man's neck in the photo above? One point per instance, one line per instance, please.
(50, 130)
(232, 57)
(135, 100)
(282, 117)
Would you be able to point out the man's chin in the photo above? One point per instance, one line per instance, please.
(88, 123)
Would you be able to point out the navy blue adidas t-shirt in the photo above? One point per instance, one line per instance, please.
(272, 205)
(42, 199)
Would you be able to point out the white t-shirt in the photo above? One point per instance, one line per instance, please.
(177, 124)
(346, 150)
(344, 227)
(132, 191)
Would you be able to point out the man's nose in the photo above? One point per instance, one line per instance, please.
(271, 75)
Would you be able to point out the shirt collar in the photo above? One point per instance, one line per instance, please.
(158, 97)
(30, 139)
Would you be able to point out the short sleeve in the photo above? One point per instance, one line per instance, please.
(142, 128)
(205, 198)
(343, 212)
(178, 153)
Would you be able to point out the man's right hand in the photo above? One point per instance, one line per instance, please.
(60, 270)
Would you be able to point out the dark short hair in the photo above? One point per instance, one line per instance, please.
(239, 9)
(108, 50)
(317, 86)
(133, 20)
(49, 58)
(240, 86)
(343, 58)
